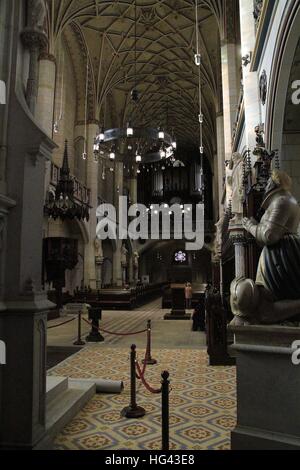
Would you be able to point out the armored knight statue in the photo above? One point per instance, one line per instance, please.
(275, 295)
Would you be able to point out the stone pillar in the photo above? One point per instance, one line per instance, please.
(117, 265)
(250, 79)
(45, 101)
(130, 270)
(220, 157)
(231, 90)
(99, 263)
(117, 255)
(46, 92)
(237, 236)
(34, 41)
(92, 184)
(133, 189)
(119, 185)
(24, 322)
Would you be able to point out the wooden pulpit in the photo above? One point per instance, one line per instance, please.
(178, 304)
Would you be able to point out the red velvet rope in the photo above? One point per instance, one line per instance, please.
(145, 363)
(113, 332)
(146, 385)
(60, 324)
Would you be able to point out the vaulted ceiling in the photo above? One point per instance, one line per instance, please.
(103, 32)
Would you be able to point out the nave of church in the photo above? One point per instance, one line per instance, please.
(202, 397)
(149, 225)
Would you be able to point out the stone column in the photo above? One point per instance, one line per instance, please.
(133, 189)
(34, 41)
(237, 236)
(221, 157)
(117, 265)
(23, 388)
(92, 184)
(231, 90)
(99, 263)
(45, 101)
(250, 79)
(117, 255)
(46, 92)
(130, 270)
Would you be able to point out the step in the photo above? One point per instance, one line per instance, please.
(54, 387)
(67, 405)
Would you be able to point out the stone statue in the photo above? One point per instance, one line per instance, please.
(124, 253)
(227, 194)
(136, 260)
(275, 295)
(218, 237)
(37, 13)
(98, 250)
(237, 187)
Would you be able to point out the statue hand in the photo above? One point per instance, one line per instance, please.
(250, 225)
(247, 224)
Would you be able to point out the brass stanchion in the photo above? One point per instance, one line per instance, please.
(79, 341)
(133, 410)
(148, 359)
(165, 410)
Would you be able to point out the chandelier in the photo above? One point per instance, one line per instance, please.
(136, 143)
(63, 204)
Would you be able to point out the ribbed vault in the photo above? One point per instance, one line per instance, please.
(167, 79)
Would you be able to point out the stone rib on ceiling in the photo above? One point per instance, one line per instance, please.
(167, 78)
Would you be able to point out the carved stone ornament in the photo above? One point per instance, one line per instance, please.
(263, 87)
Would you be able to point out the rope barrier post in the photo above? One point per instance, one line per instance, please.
(95, 314)
(79, 341)
(165, 410)
(148, 359)
(133, 410)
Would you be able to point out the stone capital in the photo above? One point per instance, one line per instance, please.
(237, 234)
(46, 56)
(34, 39)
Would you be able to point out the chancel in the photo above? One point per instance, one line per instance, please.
(149, 225)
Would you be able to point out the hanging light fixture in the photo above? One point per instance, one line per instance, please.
(138, 157)
(161, 134)
(200, 188)
(129, 130)
(112, 155)
(84, 154)
(101, 135)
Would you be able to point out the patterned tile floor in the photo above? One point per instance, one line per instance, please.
(202, 402)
